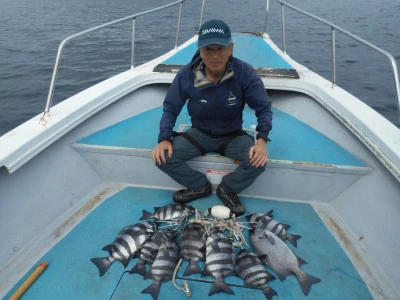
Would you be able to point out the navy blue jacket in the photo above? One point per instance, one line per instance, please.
(216, 109)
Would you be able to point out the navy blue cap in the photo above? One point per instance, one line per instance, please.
(214, 32)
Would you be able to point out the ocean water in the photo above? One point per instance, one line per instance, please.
(31, 32)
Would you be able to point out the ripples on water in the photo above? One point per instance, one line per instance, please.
(32, 32)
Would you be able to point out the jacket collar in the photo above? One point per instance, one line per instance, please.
(200, 79)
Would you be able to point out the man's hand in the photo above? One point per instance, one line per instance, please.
(258, 154)
(158, 155)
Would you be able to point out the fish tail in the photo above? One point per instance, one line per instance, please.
(102, 263)
(220, 287)
(192, 268)
(306, 281)
(270, 277)
(153, 289)
(268, 292)
(139, 268)
(146, 215)
(292, 238)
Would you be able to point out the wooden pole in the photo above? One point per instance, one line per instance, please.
(29, 281)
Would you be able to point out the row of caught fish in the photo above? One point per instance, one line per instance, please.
(160, 250)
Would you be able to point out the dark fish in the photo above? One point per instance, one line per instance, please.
(169, 212)
(193, 247)
(280, 230)
(163, 266)
(277, 255)
(219, 261)
(125, 245)
(148, 253)
(252, 271)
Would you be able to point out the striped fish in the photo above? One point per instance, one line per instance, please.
(266, 222)
(163, 266)
(193, 247)
(125, 245)
(148, 253)
(252, 271)
(219, 261)
(169, 212)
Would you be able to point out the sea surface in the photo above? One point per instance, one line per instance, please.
(31, 32)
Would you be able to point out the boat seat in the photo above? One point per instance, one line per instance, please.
(319, 166)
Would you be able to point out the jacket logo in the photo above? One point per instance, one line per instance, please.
(203, 101)
(232, 99)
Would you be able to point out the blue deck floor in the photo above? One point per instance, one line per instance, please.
(71, 274)
(250, 48)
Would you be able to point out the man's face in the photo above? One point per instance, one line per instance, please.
(215, 57)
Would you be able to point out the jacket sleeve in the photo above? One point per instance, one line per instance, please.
(173, 103)
(257, 98)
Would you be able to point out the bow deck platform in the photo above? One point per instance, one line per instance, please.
(249, 47)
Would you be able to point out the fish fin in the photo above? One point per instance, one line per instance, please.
(192, 268)
(268, 292)
(215, 247)
(153, 290)
(220, 287)
(124, 261)
(146, 215)
(264, 222)
(263, 258)
(206, 272)
(306, 281)
(281, 276)
(285, 226)
(144, 225)
(249, 215)
(292, 238)
(270, 238)
(269, 277)
(148, 275)
(102, 263)
(139, 268)
(300, 261)
(108, 248)
(269, 214)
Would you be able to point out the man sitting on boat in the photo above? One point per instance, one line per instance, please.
(217, 86)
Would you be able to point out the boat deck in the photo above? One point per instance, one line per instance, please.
(71, 274)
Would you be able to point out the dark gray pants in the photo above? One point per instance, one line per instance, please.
(237, 149)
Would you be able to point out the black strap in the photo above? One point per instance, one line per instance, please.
(192, 141)
(222, 148)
